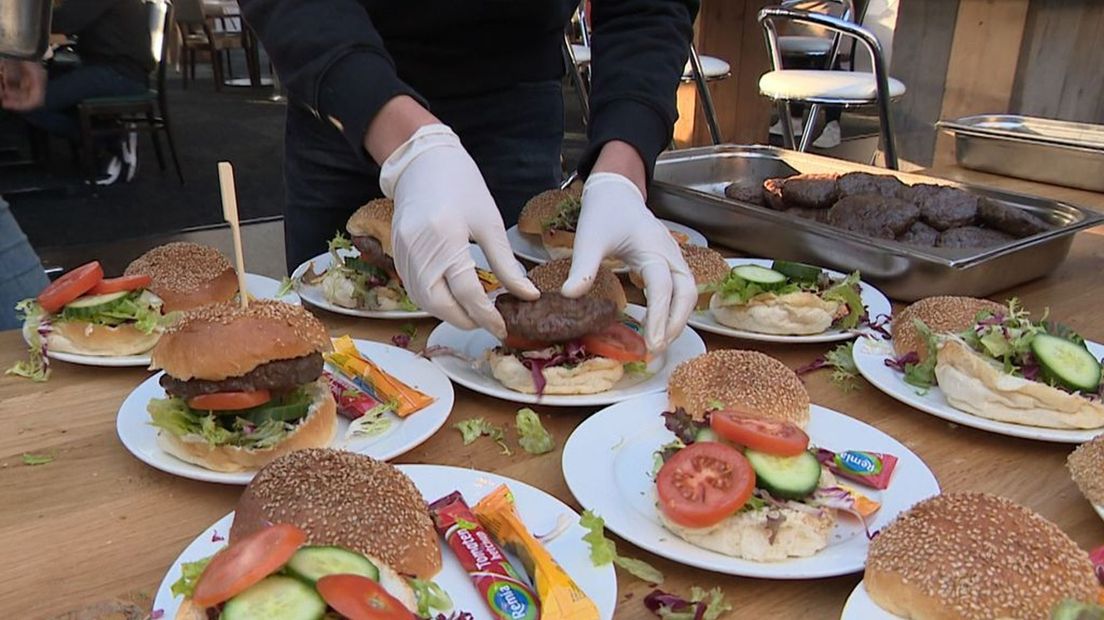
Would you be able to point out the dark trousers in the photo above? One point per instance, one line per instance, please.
(514, 136)
(66, 88)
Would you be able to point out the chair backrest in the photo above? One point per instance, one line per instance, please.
(769, 17)
(161, 15)
(189, 12)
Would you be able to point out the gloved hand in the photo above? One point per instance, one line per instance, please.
(615, 223)
(441, 202)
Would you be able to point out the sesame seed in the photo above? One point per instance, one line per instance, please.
(942, 314)
(303, 324)
(743, 379)
(180, 266)
(1086, 466)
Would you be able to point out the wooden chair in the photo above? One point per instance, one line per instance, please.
(147, 112)
(212, 35)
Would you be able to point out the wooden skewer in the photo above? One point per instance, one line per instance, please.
(230, 214)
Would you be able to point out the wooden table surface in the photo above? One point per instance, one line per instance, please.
(91, 534)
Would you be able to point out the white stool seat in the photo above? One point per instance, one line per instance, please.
(804, 44)
(712, 68)
(794, 84)
(582, 54)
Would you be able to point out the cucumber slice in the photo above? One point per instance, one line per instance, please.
(1066, 363)
(706, 434)
(759, 275)
(797, 271)
(276, 598)
(92, 302)
(315, 562)
(786, 477)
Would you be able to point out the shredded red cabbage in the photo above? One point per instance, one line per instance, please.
(900, 363)
(157, 614)
(816, 364)
(571, 352)
(1097, 557)
(658, 599)
(401, 340)
(683, 425)
(456, 615)
(879, 325)
(216, 537)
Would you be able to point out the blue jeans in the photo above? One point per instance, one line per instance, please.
(66, 88)
(21, 273)
(514, 136)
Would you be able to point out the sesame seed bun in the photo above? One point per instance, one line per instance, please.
(347, 499)
(186, 275)
(543, 207)
(222, 341)
(942, 314)
(1086, 466)
(745, 379)
(707, 265)
(966, 556)
(373, 220)
(592, 376)
(87, 338)
(551, 276)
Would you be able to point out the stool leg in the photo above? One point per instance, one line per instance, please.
(888, 145)
(810, 128)
(788, 140)
(703, 92)
(576, 80)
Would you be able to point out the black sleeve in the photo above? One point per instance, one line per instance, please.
(330, 59)
(640, 49)
(73, 16)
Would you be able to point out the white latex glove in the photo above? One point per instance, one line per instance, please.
(441, 201)
(615, 223)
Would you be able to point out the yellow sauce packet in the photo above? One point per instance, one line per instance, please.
(385, 387)
(488, 279)
(560, 597)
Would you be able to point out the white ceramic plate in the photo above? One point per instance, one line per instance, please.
(540, 511)
(860, 607)
(870, 356)
(531, 249)
(259, 287)
(1099, 510)
(875, 301)
(474, 345)
(404, 434)
(608, 461)
(312, 294)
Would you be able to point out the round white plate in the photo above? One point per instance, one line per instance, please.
(260, 287)
(1099, 510)
(312, 294)
(404, 434)
(531, 249)
(608, 461)
(540, 511)
(860, 607)
(875, 301)
(474, 344)
(870, 356)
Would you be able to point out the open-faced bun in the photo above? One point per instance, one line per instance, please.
(552, 275)
(941, 314)
(1086, 466)
(798, 313)
(222, 341)
(747, 380)
(346, 499)
(543, 207)
(594, 375)
(966, 556)
(87, 338)
(707, 266)
(315, 430)
(187, 275)
(972, 383)
(373, 220)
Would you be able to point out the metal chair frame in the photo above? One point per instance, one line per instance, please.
(768, 18)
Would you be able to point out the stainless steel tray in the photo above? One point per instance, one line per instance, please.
(1039, 149)
(24, 28)
(689, 187)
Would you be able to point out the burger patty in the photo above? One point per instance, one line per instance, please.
(819, 215)
(873, 215)
(745, 192)
(371, 252)
(858, 183)
(972, 237)
(810, 191)
(920, 234)
(944, 208)
(1016, 222)
(772, 193)
(277, 376)
(555, 318)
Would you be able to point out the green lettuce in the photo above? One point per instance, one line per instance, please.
(567, 215)
(189, 575)
(474, 428)
(255, 428)
(846, 291)
(430, 596)
(715, 606)
(636, 368)
(736, 291)
(37, 366)
(142, 308)
(603, 550)
(532, 436)
(922, 375)
(844, 369)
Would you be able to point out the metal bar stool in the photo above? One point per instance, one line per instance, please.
(701, 70)
(847, 89)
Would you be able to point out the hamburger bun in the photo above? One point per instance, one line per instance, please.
(707, 265)
(222, 341)
(596, 374)
(551, 276)
(961, 556)
(941, 314)
(86, 338)
(373, 220)
(972, 383)
(315, 430)
(797, 313)
(347, 499)
(543, 207)
(746, 379)
(1086, 466)
(186, 275)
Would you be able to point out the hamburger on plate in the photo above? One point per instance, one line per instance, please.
(319, 533)
(707, 266)
(187, 275)
(242, 386)
(973, 556)
(559, 345)
(1086, 466)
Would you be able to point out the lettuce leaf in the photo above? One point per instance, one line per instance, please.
(249, 428)
(737, 291)
(36, 325)
(532, 436)
(636, 368)
(142, 308)
(603, 550)
(702, 605)
(922, 375)
(189, 575)
(846, 291)
(474, 428)
(430, 596)
(566, 217)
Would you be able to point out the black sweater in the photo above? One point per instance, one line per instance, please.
(109, 32)
(346, 58)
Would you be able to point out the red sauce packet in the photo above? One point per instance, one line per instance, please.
(872, 469)
(352, 402)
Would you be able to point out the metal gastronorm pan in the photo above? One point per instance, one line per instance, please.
(24, 28)
(689, 187)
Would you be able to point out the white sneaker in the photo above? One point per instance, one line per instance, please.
(795, 123)
(111, 172)
(830, 137)
(130, 154)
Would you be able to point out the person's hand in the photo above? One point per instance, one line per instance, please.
(615, 223)
(22, 85)
(441, 201)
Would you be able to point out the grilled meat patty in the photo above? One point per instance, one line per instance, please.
(859, 183)
(876, 216)
(277, 376)
(743, 191)
(772, 194)
(372, 253)
(920, 234)
(819, 215)
(555, 318)
(1016, 222)
(944, 208)
(810, 191)
(972, 237)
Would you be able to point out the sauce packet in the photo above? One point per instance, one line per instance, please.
(352, 402)
(374, 380)
(872, 469)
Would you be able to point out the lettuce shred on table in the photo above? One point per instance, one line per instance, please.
(286, 285)
(430, 597)
(532, 436)
(841, 360)
(603, 550)
(189, 575)
(702, 604)
(37, 459)
(36, 325)
(474, 428)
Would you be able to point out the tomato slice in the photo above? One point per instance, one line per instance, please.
(704, 483)
(524, 344)
(120, 284)
(617, 342)
(229, 401)
(770, 436)
(359, 598)
(70, 286)
(247, 561)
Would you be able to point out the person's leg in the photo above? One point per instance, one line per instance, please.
(325, 182)
(21, 273)
(65, 90)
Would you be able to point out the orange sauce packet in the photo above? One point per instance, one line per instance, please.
(385, 387)
(863, 504)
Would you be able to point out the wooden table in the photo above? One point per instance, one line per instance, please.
(96, 529)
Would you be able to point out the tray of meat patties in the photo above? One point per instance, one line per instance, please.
(911, 236)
